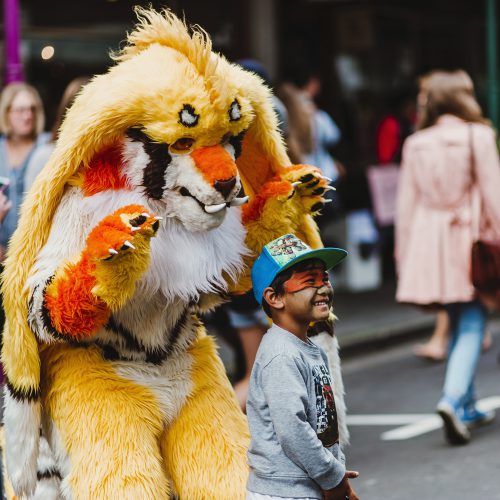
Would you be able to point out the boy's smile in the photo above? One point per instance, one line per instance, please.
(309, 295)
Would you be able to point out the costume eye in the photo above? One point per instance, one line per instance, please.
(182, 145)
(234, 111)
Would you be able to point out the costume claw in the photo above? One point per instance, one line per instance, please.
(128, 244)
(145, 214)
(324, 177)
(112, 251)
(212, 209)
(330, 188)
(135, 228)
(157, 217)
(236, 202)
(327, 201)
(296, 183)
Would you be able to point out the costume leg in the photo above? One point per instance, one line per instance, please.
(205, 448)
(108, 426)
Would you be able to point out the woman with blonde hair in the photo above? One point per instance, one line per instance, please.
(21, 124)
(449, 188)
(42, 154)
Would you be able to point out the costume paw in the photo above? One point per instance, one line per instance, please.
(119, 246)
(309, 184)
(121, 233)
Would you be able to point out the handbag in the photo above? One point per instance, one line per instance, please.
(485, 264)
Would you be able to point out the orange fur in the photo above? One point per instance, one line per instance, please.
(73, 309)
(104, 172)
(254, 165)
(253, 210)
(214, 163)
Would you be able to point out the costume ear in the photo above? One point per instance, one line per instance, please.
(263, 152)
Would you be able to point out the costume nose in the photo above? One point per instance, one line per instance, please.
(225, 187)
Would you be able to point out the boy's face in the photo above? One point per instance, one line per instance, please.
(309, 294)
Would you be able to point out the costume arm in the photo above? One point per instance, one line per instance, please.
(284, 385)
(73, 299)
(283, 205)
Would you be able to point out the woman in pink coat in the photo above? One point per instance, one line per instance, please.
(449, 188)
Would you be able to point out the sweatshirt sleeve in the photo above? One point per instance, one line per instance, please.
(284, 387)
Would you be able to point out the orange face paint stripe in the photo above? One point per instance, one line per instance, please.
(73, 309)
(312, 278)
(214, 163)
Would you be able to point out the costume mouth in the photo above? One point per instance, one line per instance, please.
(213, 209)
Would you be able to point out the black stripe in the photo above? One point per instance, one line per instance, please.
(48, 474)
(109, 352)
(176, 331)
(131, 341)
(30, 394)
(155, 356)
(153, 178)
(237, 142)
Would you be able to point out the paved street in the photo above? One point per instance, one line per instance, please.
(397, 388)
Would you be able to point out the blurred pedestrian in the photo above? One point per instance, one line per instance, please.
(436, 348)
(394, 127)
(42, 154)
(450, 168)
(294, 450)
(21, 124)
(311, 130)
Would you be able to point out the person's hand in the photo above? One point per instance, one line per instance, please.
(344, 490)
(5, 205)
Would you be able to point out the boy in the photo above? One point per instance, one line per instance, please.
(294, 450)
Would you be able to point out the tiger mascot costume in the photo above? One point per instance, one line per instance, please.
(168, 178)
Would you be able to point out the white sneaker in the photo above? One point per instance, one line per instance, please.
(455, 430)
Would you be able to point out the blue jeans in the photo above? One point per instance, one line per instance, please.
(467, 327)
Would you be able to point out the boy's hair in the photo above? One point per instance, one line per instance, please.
(278, 283)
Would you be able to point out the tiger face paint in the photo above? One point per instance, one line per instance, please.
(315, 278)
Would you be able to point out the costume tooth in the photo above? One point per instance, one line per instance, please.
(212, 209)
(128, 244)
(236, 202)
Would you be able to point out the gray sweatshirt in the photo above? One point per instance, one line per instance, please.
(294, 450)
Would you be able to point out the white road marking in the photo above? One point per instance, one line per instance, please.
(412, 424)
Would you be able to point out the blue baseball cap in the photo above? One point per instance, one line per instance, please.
(284, 252)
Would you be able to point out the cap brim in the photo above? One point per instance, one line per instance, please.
(330, 256)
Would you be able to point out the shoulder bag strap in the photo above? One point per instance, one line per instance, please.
(474, 190)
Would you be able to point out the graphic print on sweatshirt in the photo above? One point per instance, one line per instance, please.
(327, 427)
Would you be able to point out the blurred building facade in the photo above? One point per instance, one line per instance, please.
(365, 51)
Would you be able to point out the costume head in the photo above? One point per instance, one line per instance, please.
(179, 108)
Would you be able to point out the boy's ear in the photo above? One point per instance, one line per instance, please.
(273, 299)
